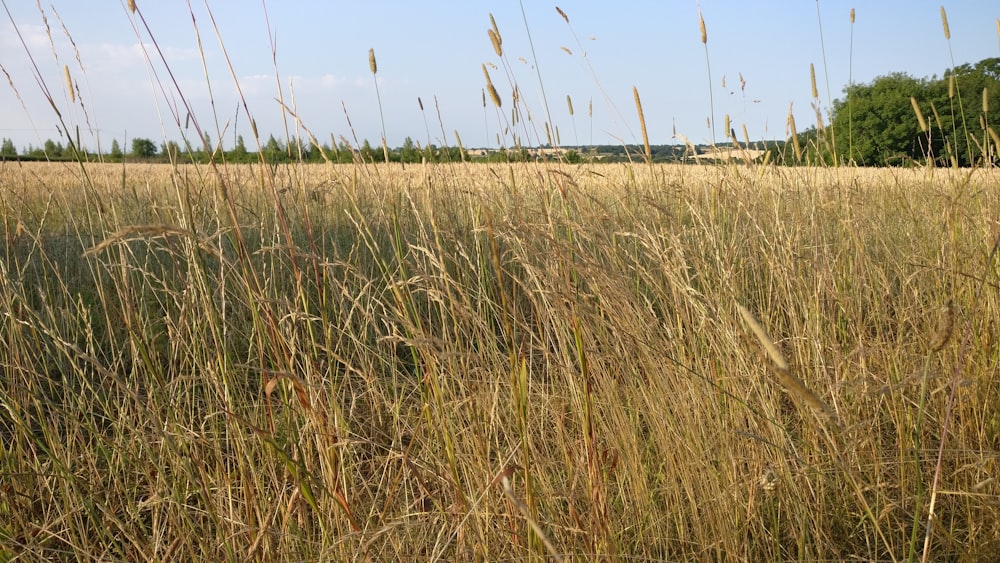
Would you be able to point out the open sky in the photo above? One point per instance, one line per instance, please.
(435, 51)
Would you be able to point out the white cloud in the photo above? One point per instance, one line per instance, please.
(34, 36)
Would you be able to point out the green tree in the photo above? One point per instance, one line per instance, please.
(965, 119)
(883, 120)
(573, 157)
(7, 149)
(345, 154)
(409, 152)
(367, 153)
(53, 149)
(884, 129)
(273, 150)
(143, 148)
(239, 152)
(171, 150)
(116, 150)
(431, 153)
(298, 150)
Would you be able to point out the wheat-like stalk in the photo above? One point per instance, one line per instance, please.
(944, 24)
(371, 61)
(131, 6)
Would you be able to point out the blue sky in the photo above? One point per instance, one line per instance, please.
(431, 50)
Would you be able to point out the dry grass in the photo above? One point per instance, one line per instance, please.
(482, 362)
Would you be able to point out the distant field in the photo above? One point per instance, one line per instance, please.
(485, 362)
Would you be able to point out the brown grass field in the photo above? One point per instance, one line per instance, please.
(498, 362)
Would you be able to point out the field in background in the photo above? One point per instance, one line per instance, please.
(484, 362)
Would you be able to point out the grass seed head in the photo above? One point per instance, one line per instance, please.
(812, 80)
(642, 123)
(493, 95)
(72, 94)
(793, 385)
(496, 29)
(489, 88)
(495, 40)
(371, 61)
(920, 114)
(701, 27)
(562, 13)
(569, 103)
(944, 24)
(131, 6)
(945, 325)
(996, 139)
(794, 134)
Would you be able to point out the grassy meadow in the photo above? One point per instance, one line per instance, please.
(496, 361)
(491, 362)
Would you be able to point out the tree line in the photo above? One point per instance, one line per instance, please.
(273, 150)
(897, 119)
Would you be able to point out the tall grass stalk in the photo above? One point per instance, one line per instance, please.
(954, 91)
(826, 77)
(708, 64)
(373, 66)
(850, 84)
